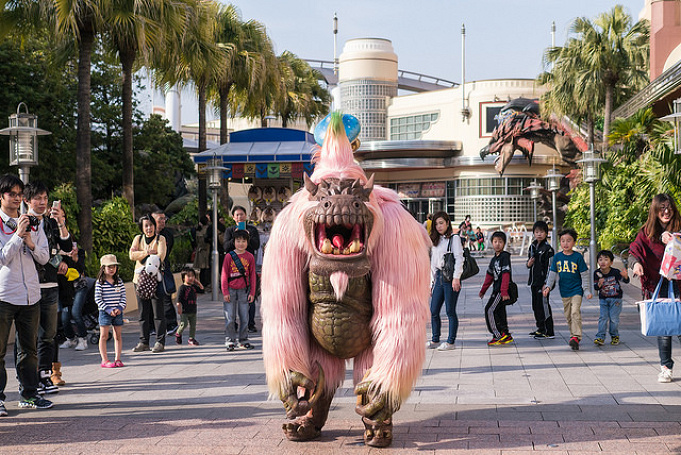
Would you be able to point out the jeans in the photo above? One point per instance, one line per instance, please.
(238, 301)
(664, 345)
(49, 312)
(75, 312)
(152, 310)
(443, 293)
(26, 319)
(610, 311)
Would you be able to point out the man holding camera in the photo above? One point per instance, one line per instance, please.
(20, 246)
(51, 222)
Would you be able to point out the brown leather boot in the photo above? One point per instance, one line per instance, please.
(56, 374)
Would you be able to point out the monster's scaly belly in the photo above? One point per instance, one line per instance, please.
(341, 327)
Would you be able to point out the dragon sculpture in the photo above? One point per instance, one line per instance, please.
(520, 126)
(347, 277)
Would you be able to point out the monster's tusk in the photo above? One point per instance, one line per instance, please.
(319, 386)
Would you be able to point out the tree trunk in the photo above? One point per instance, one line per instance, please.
(224, 138)
(127, 57)
(203, 196)
(590, 136)
(607, 114)
(83, 161)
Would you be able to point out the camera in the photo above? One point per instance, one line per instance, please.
(32, 221)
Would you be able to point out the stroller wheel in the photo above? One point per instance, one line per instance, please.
(94, 338)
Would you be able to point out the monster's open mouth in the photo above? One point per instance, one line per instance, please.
(340, 239)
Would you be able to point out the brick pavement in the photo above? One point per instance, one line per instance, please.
(529, 397)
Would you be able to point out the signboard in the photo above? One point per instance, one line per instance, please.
(409, 190)
(433, 189)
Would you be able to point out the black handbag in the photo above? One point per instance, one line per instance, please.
(512, 293)
(168, 282)
(470, 266)
(448, 265)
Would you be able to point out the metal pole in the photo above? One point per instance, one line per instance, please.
(554, 231)
(335, 44)
(215, 279)
(463, 70)
(534, 209)
(592, 243)
(24, 172)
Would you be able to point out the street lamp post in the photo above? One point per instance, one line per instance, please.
(23, 135)
(553, 178)
(591, 173)
(534, 188)
(214, 182)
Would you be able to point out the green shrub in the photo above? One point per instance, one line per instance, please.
(182, 251)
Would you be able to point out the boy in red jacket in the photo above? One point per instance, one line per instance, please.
(238, 288)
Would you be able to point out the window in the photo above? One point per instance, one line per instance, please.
(412, 127)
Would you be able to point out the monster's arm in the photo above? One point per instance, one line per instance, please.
(400, 275)
(284, 301)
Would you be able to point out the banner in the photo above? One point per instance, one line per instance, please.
(284, 169)
(237, 171)
(273, 170)
(249, 169)
(297, 170)
(261, 171)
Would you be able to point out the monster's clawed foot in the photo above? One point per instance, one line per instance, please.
(378, 433)
(301, 429)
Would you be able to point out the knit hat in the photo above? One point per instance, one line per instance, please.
(108, 259)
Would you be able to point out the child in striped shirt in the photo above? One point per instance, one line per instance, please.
(110, 299)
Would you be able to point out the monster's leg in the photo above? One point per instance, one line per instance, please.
(307, 403)
(373, 405)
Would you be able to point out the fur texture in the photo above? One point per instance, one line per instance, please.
(400, 275)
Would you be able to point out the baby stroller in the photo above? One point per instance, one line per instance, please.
(91, 313)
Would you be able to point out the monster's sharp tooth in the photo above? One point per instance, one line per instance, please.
(326, 248)
(347, 251)
(336, 251)
(355, 232)
(355, 246)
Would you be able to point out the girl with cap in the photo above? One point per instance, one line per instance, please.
(110, 299)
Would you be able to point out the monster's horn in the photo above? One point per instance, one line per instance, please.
(319, 386)
(369, 186)
(310, 186)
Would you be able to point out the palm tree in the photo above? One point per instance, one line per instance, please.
(606, 61)
(135, 28)
(193, 57)
(302, 97)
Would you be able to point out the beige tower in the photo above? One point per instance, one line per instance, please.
(367, 76)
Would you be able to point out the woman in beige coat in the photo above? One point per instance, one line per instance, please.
(143, 246)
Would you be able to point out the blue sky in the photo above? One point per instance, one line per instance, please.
(504, 38)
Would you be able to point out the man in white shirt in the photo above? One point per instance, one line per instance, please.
(20, 246)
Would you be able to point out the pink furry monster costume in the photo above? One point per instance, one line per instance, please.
(346, 275)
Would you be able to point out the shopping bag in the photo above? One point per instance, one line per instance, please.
(671, 261)
(661, 317)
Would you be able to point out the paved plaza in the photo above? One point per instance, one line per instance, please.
(527, 397)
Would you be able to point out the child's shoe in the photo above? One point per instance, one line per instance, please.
(178, 338)
(118, 364)
(615, 341)
(665, 375)
(506, 338)
(245, 345)
(493, 342)
(193, 342)
(229, 345)
(574, 343)
(536, 334)
(599, 341)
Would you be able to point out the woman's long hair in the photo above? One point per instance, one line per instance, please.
(653, 229)
(434, 235)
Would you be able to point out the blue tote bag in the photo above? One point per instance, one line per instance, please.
(661, 317)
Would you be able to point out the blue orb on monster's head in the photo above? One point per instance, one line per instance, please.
(350, 122)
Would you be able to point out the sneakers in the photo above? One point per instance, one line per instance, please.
(229, 345)
(140, 347)
(599, 341)
(45, 384)
(432, 344)
(505, 339)
(178, 338)
(574, 343)
(252, 329)
(82, 344)
(245, 345)
(35, 403)
(535, 334)
(158, 347)
(493, 342)
(445, 346)
(193, 342)
(540, 336)
(665, 375)
(68, 344)
(615, 341)
(3, 411)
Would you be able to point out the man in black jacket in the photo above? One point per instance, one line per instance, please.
(169, 235)
(58, 238)
(240, 216)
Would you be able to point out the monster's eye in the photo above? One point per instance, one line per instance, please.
(356, 204)
(326, 204)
